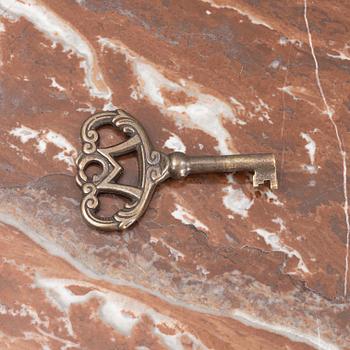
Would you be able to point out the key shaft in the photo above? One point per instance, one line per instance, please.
(263, 165)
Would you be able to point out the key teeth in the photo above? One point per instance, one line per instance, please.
(260, 178)
(274, 182)
(256, 182)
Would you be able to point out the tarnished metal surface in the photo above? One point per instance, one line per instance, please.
(154, 167)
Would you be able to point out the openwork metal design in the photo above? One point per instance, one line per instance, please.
(154, 167)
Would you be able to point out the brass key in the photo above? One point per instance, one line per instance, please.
(154, 167)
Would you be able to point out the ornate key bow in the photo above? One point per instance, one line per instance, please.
(154, 167)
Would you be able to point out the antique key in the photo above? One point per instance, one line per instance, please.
(154, 167)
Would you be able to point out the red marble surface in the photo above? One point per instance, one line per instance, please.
(214, 263)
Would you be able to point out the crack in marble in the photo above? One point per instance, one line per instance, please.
(298, 94)
(330, 113)
(274, 241)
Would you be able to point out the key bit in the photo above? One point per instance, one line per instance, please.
(154, 167)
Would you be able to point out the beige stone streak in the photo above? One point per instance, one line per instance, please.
(60, 31)
(226, 297)
(55, 300)
(199, 110)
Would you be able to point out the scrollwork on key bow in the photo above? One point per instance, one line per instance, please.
(153, 168)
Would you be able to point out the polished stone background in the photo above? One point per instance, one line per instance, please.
(214, 263)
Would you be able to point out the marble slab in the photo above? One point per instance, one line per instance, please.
(214, 263)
